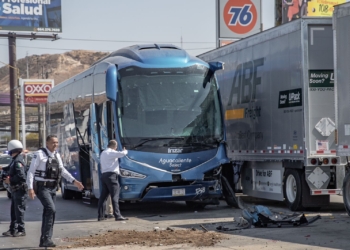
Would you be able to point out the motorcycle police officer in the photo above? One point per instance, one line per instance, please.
(43, 179)
(18, 187)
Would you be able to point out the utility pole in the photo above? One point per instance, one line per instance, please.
(14, 84)
(13, 88)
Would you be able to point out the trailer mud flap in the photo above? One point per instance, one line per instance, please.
(312, 201)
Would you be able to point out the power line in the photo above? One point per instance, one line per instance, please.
(94, 49)
(50, 48)
(124, 41)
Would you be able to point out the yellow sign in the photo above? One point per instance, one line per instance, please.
(322, 7)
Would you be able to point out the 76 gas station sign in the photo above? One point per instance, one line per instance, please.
(238, 18)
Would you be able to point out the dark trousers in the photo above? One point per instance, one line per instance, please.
(47, 197)
(18, 207)
(110, 185)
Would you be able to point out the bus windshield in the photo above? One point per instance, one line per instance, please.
(169, 107)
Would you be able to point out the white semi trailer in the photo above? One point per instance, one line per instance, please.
(341, 29)
(277, 90)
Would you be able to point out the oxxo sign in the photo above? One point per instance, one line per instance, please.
(37, 91)
(239, 18)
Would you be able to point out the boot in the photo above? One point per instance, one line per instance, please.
(8, 233)
(41, 241)
(47, 243)
(18, 234)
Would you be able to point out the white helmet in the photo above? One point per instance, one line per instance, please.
(14, 146)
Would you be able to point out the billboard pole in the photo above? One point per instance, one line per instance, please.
(14, 74)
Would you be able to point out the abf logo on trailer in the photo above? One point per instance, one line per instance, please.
(36, 91)
(239, 18)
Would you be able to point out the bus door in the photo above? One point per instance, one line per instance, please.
(95, 150)
(70, 150)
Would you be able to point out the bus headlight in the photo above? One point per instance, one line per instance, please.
(131, 174)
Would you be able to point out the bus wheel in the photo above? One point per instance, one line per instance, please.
(66, 194)
(346, 192)
(229, 194)
(292, 189)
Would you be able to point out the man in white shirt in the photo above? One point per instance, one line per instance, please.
(109, 179)
(47, 185)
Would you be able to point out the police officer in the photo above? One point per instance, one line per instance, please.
(44, 175)
(18, 187)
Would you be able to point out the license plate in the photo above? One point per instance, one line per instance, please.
(179, 192)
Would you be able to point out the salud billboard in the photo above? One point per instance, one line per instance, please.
(31, 15)
(36, 91)
(238, 18)
(294, 9)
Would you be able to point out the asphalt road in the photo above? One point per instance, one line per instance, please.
(73, 219)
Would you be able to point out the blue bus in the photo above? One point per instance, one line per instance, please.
(161, 104)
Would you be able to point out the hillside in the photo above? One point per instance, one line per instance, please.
(57, 66)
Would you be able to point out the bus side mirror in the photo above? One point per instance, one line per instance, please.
(214, 66)
(111, 83)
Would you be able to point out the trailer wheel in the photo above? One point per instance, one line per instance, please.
(66, 194)
(292, 189)
(346, 192)
(230, 196)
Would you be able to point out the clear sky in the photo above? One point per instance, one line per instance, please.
(129, 22)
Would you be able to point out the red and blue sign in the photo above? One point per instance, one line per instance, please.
(239, 18)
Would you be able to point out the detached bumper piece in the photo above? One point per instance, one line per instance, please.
(300, 220)
(261, 216)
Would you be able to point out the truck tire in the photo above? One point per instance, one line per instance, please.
(229, 194)
(346, 192)
(292, 189)
(66, 193)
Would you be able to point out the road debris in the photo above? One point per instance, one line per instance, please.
(261, 216)
(205, 230)
(146, 238)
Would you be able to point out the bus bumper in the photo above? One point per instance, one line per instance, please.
(198, 190)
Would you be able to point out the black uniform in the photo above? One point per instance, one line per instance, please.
(17, 173)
